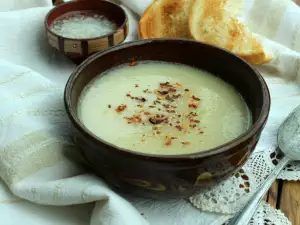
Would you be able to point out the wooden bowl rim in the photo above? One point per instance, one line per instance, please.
(84, 39)
(233, 144)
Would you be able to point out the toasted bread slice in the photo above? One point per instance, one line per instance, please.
(216, 22)
(166, 18)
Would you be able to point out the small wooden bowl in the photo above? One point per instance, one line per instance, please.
(79, 49)
(169, 175)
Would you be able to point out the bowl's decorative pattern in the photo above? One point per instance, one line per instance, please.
(146, 184)
(178, 175)
(154, 179)
(84, 48)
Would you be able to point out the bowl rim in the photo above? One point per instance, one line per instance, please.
(84, 39)
(255, 127)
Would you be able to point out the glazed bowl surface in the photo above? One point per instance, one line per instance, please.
(79, 49)
(160, 176)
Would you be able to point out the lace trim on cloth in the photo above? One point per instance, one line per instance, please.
(231, 195)
(266, 215)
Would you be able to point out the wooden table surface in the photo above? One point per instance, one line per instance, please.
(284, 195)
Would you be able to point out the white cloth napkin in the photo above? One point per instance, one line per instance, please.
(22, 4)
(36, 158)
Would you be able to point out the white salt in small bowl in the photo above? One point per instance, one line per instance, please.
(80, 28)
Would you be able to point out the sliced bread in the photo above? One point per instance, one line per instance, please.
(216, 22)
(166, 19)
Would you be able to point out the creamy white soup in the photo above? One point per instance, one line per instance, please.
(163, 108)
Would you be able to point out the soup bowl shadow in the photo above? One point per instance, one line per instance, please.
(169, 176)
(78, 49)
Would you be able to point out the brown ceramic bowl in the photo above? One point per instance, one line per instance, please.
(79, 49)
(172, 175)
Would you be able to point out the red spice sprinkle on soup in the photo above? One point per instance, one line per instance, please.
(121, 108)
(164, 114)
